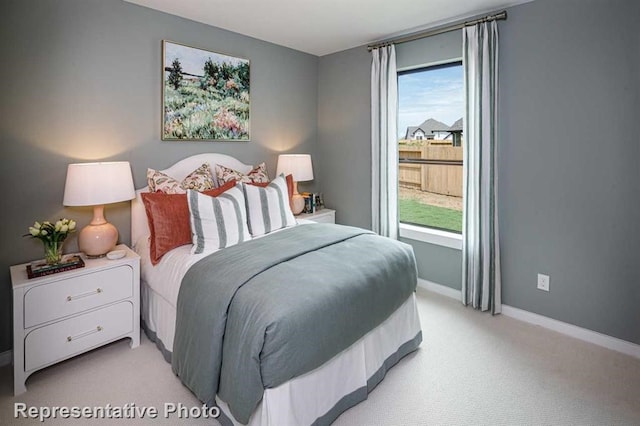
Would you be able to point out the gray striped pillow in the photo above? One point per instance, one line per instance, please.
(268, 207)
(217, 222)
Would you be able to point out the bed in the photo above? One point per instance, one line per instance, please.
(310, 383)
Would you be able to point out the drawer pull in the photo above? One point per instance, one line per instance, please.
(81, 295)
(85, 334)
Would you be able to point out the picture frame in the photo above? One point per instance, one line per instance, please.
(205, 95)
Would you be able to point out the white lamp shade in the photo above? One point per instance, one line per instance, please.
(93, 184)
(298, 165)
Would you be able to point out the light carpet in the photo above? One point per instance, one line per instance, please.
(471, 369)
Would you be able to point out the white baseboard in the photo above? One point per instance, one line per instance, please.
(440, 289)
(567, 329)
(580, 333)
(5, 358)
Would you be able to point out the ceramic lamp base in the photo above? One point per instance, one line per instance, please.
(99, 237)
(298, 203)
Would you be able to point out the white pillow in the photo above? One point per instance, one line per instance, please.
(217, 222)
(268, 207)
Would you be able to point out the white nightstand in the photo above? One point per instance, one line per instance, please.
(58, 316)
(320, 216)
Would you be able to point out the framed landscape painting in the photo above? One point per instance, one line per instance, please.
(205, 95)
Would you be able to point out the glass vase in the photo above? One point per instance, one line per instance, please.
(53, 252)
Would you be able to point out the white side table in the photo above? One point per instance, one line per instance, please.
(58, 316)
(320, 216)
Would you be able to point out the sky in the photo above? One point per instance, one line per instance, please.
(435, 93)
(192, 59)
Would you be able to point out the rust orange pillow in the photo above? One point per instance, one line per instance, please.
(289, 179)
(168, 217)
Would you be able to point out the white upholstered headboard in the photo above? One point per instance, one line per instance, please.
(179, 171)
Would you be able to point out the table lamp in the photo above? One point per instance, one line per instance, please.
(299, 166)
(97, 184)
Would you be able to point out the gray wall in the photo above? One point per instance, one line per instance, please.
(568, 195)
(568, 162)
(344, 129)
(81, 82)
(445, 47)
(437, 264)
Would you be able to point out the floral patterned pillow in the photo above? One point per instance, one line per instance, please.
(257, 175)
(201, 179)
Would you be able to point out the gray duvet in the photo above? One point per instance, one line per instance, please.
(252, 316)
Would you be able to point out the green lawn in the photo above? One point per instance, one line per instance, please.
(412, 211)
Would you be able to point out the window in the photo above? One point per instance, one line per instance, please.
(431, 105)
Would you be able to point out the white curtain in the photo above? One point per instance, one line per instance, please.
(384, 147)
(481, 285)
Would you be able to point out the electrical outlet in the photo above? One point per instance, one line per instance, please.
(543, 282)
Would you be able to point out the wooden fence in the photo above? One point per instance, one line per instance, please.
(437, 178)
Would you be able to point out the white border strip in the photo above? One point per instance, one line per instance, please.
(5, 358)
(432, 236)
(567, 329)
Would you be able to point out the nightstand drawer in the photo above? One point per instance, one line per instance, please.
(61, 298)
(55, 342)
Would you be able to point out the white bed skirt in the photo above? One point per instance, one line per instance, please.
(324, 392)
(158, 315)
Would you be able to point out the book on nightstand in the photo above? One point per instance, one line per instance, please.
(309, 202)
(312, 202)
(40, 268)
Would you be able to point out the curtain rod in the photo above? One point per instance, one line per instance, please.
(497, 17)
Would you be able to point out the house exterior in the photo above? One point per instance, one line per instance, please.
(415, 133)
(456, 132)
(432, 129)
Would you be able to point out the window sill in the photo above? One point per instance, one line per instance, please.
(431, 236)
